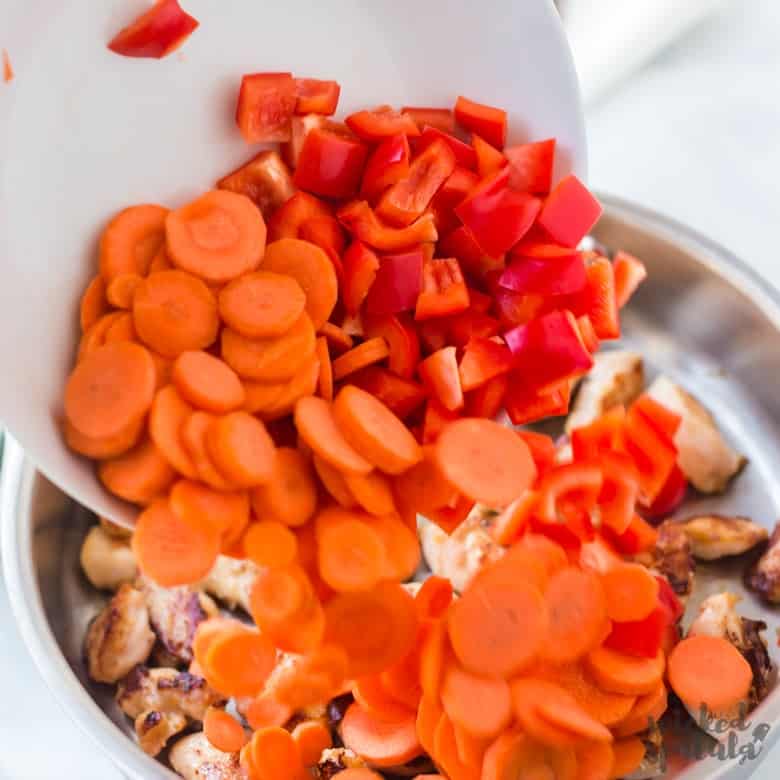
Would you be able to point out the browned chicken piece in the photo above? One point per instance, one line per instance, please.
(764, 576)
(154, 728)
(335, 760)
(718, 536)
(119, 638)
(671, 557)
(230, 581)
(195, 758)
(107, 560)
(704, 456)
(617, 377)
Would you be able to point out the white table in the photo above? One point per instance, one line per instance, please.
(696, 135)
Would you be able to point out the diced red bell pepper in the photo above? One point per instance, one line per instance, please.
(407, 199)
(441, 118)
(360, 269)
(549, 350)
(531, 166)
(566, 487)
(559, 276)
(316, 96)
(516, 308)
(436, 419)
(525, 405)
(630, 272)
(402, 396)
(359, 218)
(541, 249)
(486, 121)
(671, 496)
(488, 399)
(542, 449)
(464, 153)
(402, 341)
(663, 419)
(443, 291)
(604, 434)
(330, 164)
(448, 518)
(598, 299)
(380, 123)
(440, 376)
(641, 638)
(460, 243)
(572, 534)
(489, 159)
(157, 33)
(287, 220)
(639, 537)
(569, 212)
(266, 102)
(265, 180)
(480, 302)
(300, 127)
(387, 164)
(654, 454)
(669, 599)
(397, 284)
(619, 491)
(483, 359)
(325, 232)
(434, 334)
(450, 194)
(497, 216)
(588, 333)
(471, 324)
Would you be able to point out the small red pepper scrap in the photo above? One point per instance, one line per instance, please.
(8, 71)
(155, 34)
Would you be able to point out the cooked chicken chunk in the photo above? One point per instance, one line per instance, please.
(671, 557)
(654, 762)
(335, 760)
(119, 638)
(231, 580)
(764, 576)
(717, 536)
(194, 758)
(154, 728)
(462, 554)
(704, 456)
(617, 377)
(106, 559)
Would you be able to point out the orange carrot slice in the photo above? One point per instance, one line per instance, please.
(270, 543)
(516, 756)
(433, 654)
(631, 592)
(434, 597)
(382, 743)
(647, 711)
(402, 548)
(93, 303)
(95, 336)
(371, 694)
(223, 731)
(312, 737)
(627, 755)
(241, 449)
(372, 491)
(122, 329)
(291, 494)
(169, 414)
(241, 661)
(429, 714)
(366, 354)
(273, 753)
(595, 761)
(334, 483)
(628, 674)
(325, 381)
(193, 437)
(301, 385)
(103, 447)
(338, 339)
(480, 705)
(140, 475)
(131, 240)
(207, 383)
(264, 711)
(203, 504)
(120, 291)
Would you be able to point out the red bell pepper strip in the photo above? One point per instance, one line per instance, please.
(531, 166)
(569, 212)
(437, 418)
(598, 299)
(408, 198)
(559, 276)
(464, 153)
(265, 180)
(402, 396)
(387, 164)
(381, 123)
(470, 324)
(315, 96)
(605, 434)
(330, 164)
(486, 121)
(287, 220)
(155, 34)
(488, 399)
(542, 449)
(440, 376)
(399, 332)
(524, 405)
(448, 518)
(497, 216)
(619, 491)
(360, 269)
(489, 159)
(642, 638)
(397, 284)
(266, 102)
(441, 118)
(451, 193)
(572, 486)
(434, 334)
(359, 218)
(669, 599)
(480, 302)
(532, 246)
(663, 419)
(516, 308)
(549, 350)
(588, 333)
(671, 496)
(300, 127)
(483, 359)
(514, 519)
(630, 272)
(443, 291)
(460, 243)
(639, 537)
(325, 232)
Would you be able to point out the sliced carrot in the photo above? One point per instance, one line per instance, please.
(628, 674)
(261, 305)
(595, 761)
(401, 545)
(109, 390)
(121, 290)
(312, 737)
(631, 592)
(303, 384)
(516, 756)
(434, 653)
(103, 447)
(264, 711)
(381, 742)
(376, 628)
(270, 543)
(334, 483)
(273, 754)
(360, 773)
(372, 491)
(93, 303)
(577, 609)
(434, 597)
(312, 680)
(371, 694)
(206, 632)
(224, 510)
(273, 359)
(481, 705)
(471, 749)
(223, 731)
(131, 240)
(122, 329)
(279, 596)
(627, 755)
(646, 712)
(95, 336)
(311, 268)
(193, 437)
(163, 368)
(218, 237)
(316, 424)
(161, 261)
(338, 339)
(402, 680)
(445, 751)
(516, 563)
(241, 661)
(325, 382)
(513, 520)
(291, 494)
(140, 475)
(174, 312)
(170, 412)
(259, 396)
(423, 487)
(429, 713)
(708, 671)
(207, 383)
(241, 449)
(487, 462)
(366, 354)
(374, 431)
(173, 550)
(550, 554)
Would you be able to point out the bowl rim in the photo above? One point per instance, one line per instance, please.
(18, 474)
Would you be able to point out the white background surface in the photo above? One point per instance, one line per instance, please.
(696, 134)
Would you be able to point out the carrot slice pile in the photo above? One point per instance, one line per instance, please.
(290, 496)
(193, 436)
(383, 743)
(241, 449)
(628, 674)
(334, 482)
(325, 380)
(366, 354)
(631, 592)
(131, 240)
(120, 291)
(224, 510)
(270, 543)
(140, 475)
(482, 706)
(93, 303)
(311, 737)
(207, 383)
